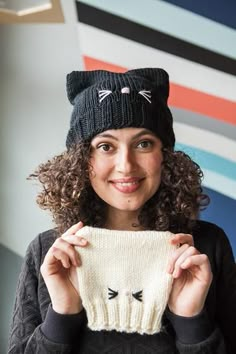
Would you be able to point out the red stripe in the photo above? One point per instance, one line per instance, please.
(182, 97)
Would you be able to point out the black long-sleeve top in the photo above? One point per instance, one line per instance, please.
(36, 328)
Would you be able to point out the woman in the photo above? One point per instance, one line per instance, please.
(120, 172)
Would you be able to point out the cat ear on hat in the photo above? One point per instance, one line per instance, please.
(78, 81)
(157, 76)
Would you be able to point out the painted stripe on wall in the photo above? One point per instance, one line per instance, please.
(210, 161)
(182, 97)
(206, 140)
(154, 14)
(220, 11)
(125, 53)
(203, 103)
(204, 122)
(153, 38)
(221, 216)
(220, 184)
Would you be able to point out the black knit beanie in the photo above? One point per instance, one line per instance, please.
(107, 100)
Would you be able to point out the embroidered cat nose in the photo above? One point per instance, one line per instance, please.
(125, 90)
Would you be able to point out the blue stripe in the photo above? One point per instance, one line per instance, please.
(220, 11)
(210, 161)
(221, 211)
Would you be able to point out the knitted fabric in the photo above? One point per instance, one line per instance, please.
(106, 100)
(123, 279)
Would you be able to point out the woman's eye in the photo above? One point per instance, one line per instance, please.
(104, 147)
(145, 144)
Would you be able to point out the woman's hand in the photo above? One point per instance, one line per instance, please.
(59, 271)
(192, 277)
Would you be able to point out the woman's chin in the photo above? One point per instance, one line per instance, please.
(128, 206)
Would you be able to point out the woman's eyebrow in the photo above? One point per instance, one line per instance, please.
(143, 132)
(105, 135)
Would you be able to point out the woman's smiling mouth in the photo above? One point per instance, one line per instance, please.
(127, 185)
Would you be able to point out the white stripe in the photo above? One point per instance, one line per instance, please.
(219, 183)
(97, 44)
(205, 140)
(154, 14)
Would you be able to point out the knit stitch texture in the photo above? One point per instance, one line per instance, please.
(106, 100)
(123, 280)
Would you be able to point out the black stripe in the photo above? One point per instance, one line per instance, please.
(153, 38)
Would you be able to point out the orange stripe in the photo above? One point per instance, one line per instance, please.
(183, 97)
(197, 101)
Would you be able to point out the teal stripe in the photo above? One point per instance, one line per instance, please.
(174, 21)
(210, 161)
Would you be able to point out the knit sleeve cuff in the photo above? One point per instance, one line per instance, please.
(191, 330)
(62, 328)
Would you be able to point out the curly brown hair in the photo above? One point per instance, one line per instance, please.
(68, 195)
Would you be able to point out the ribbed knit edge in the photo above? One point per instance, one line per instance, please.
(124, 317)
(62, 328)
(191, 330)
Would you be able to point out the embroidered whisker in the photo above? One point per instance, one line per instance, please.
(103, 94)
(138, 295)
(112, 293)
(146, 94)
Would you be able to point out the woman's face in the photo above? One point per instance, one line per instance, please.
(126, 167)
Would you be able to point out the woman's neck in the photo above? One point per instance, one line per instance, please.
(123, 220)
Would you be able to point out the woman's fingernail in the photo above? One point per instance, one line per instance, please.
(175, 274)
(82, 241)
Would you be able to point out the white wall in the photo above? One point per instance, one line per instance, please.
(34, 117)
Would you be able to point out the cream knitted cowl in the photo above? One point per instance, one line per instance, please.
(123, 279)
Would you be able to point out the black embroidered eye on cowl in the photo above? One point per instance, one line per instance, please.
(112, 294)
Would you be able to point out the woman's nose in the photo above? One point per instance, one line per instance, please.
(125, 161)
